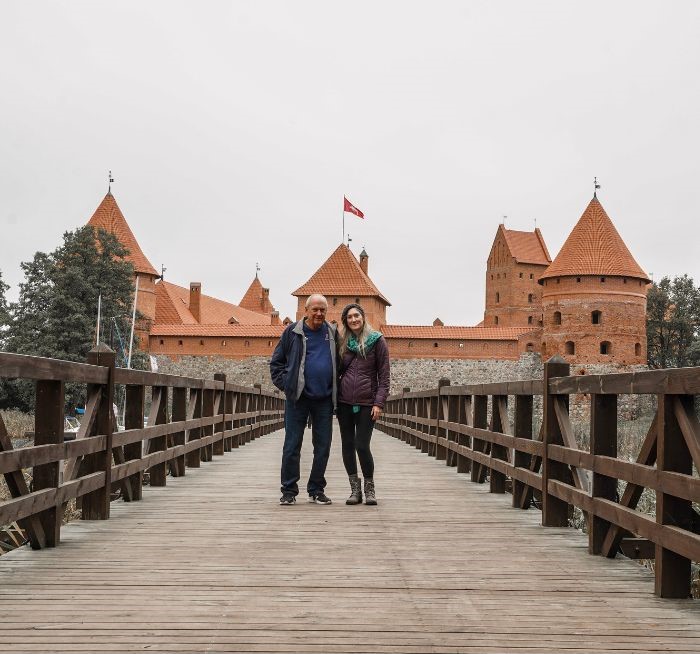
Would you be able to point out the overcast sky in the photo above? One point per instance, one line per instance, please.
(233, 129)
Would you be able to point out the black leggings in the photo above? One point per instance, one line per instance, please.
(356, 433)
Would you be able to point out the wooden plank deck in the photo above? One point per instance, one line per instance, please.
(213, 564)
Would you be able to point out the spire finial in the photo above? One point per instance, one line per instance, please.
(162, 272)
(503, 222)
(349, 241)
(110, 182)
(257, 269)
(596, 186)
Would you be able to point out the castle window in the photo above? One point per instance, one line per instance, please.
(495, 320)
(504, 275)
(569, 347)
(491, 276)
(544, 348)
(529, 298)
(179, 342)
(410, 343)
(521, 275)
(269, 344)
(596, 317)
(606, 347)
(498, 297)
(335, 301)
(161, 341)
(557, 318)
(357, 300)
(435, 344)
(223, 343)
(532, 276)
(578, 280)
(462, 344)
(201, 342)
(602, 280)
(530, 347)
(558, 280)
(247, 343)
(529, 320)
(624, 280)
(637, 349)
(498, 276)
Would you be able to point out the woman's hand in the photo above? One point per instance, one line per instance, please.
(376, 412)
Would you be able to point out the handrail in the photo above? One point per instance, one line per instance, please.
(473, 428)
(190, 421)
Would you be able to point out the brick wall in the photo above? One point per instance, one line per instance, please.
(375, 309)
(208, 346)
(404, 348)
(569, 304)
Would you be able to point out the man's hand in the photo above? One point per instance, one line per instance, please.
(376, 412)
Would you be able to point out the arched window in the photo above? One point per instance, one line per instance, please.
(161, 341)
(530, 347)
(637, 349)
(495, 320)
(247, 343)
(529, 320)
(606, 347)
(557, 318)
(201, 342)
(335, 301)
(529, 298)
(570, 347)
(223, 343)
(498, 297)
(435, 344)
(596, 317)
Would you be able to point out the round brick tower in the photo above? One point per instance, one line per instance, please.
(594, 296)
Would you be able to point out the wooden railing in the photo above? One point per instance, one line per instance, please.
(452, 423)
(190, 420)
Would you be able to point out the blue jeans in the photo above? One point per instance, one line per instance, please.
(296, 415)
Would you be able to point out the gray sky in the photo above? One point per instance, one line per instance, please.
(233, 129)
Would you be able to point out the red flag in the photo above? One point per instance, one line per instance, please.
(352, 209)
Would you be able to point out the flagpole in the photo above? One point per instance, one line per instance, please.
(343, 240)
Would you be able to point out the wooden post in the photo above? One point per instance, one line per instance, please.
(179, 413)
(257, 403)
(499, 423)
(522, 428)
(603, 442)
(192, 459)
(220, 428)
(404, 414)
(238, 406)
(555, 512)
(95, 505)
(133, 419)
(465, 416)
(452, 436)
(228, 409)
(440, 415)
(158, 415)
(48, 430)
(672, 571)
(207, 452)
(478, 445)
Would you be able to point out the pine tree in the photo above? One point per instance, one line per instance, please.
(4, 312)
(673, 323)
(56, 313)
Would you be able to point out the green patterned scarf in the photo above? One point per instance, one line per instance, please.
(354, 346)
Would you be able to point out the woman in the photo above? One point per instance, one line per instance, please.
(364, 386)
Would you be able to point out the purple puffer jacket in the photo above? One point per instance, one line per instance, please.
(365, 381)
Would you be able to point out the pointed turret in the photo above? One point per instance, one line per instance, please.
(257, 298)
(594, 247)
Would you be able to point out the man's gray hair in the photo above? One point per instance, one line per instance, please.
(316, 297)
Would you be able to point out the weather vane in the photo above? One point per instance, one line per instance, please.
(111, 181)
(504, 220)
(162, 272)
(596, 186)
(257, 269)
(349, 240)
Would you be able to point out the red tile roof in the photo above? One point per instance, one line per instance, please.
(109, 216)
(261, 331)
(255, 299)
(527, 247)
(456, 333)
(594, 247)
(172, 308)
(341, 275)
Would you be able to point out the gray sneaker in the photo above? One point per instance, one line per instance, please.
(320, 498)
(287, 499)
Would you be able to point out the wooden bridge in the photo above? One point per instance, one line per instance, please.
(203, 559)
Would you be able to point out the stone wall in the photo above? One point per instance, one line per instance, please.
(421, 374)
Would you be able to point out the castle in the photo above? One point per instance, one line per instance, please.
(588, 304)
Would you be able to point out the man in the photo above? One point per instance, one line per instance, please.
(303, 365)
